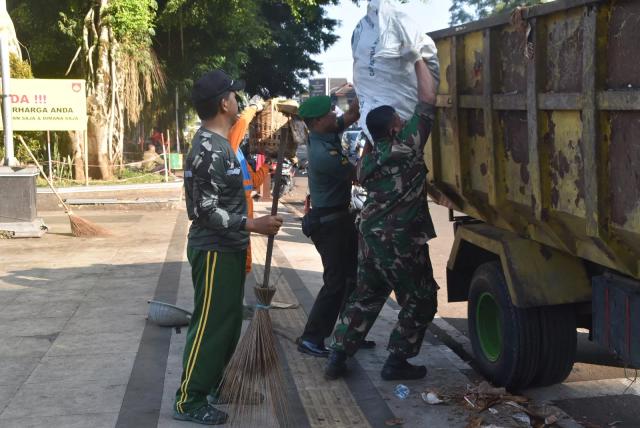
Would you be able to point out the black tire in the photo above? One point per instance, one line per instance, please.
(516, 363)
(559, 341)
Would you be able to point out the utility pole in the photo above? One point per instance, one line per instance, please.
(177, 125)
(18, 207)
(5, 24)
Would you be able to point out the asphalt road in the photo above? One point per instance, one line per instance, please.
(594, 394)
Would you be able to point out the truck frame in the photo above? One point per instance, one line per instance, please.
(537, 142)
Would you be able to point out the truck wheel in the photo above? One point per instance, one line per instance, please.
(558, 344)
(505, 339)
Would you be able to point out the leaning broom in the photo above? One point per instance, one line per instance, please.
(80, 227)
(254, 373)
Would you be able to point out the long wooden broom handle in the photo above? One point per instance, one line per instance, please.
(55, 192)
(276, 197)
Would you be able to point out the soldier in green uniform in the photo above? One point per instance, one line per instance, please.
(329, 224)
(216, 249)
(395, 227)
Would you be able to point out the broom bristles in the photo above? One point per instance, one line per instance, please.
(254, 371)
(81, 227)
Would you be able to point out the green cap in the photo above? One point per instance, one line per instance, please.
(315, 107)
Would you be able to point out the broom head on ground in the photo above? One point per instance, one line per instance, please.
(253, 382)
(80, 227)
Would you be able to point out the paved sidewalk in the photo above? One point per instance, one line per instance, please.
(76, 351)
(73, 313)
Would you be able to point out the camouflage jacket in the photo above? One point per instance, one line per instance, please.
(214, 194)
(394, 175)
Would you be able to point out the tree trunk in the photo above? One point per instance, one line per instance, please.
(78, 155)
(97, 106)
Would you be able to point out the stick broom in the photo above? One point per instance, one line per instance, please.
(79, 226)
(254, 373)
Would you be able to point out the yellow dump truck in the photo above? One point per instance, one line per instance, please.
(537, 142)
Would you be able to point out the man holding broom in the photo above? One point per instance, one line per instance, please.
(395, 228)
(218, 240)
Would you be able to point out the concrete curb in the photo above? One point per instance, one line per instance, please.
(126, 197)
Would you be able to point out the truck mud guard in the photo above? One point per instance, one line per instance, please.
(536, 275)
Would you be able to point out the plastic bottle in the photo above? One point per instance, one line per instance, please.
(401, 391)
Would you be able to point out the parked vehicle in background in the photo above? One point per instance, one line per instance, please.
(542, 157)
(288, 172)
(350, 141)
(303, 160)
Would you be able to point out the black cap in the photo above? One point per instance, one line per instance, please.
(213, 84)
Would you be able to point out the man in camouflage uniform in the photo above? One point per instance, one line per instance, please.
(395, 227)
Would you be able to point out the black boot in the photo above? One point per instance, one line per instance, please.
(337, 365)
(398, 368)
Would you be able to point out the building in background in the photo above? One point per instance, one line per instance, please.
(340, 90)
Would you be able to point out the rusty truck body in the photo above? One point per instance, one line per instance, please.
(537, 142)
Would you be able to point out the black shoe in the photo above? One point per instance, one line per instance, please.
(337, 365)
(205, 415)
(367, 344)
(396, 368)
(310, 348)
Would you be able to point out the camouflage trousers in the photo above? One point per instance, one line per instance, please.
(382, 268)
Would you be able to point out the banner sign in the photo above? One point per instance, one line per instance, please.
(318, 87)
(48, 105)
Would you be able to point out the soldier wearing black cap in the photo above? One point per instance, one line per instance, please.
(216, 248)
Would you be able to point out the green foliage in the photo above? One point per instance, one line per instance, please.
(124, 176)
(132, 22)
(44, 28)
(300, 32)
(269, 43)
(463, 11)
(19, 69)
(35, 142)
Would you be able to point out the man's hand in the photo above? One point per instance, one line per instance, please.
(426, 83)
(257, 102)
(267, 225)
(353, 114)
(355, 106)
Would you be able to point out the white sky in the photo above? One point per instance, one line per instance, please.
(337, 61)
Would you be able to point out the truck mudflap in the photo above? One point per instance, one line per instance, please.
(616, 316)
(536, 275)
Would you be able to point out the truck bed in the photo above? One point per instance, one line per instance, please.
(538, 126)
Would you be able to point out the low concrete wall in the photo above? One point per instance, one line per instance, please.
(141, 197)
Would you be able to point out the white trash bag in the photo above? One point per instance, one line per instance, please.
(381, 75)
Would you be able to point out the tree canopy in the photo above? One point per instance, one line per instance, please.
(267, 42)
(137, 54)
(463, 11)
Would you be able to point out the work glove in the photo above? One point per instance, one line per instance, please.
(257, 102)
(410, 54)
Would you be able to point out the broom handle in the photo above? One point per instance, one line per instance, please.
(33, 158)
(276, 197)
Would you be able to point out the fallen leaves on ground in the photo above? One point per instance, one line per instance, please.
(475, 422)
(394, 422)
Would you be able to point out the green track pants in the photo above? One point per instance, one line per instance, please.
(218, 282)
